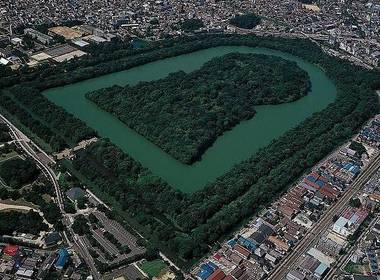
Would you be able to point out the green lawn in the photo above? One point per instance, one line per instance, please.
(153, 268)
(4, 157)
(353, 268)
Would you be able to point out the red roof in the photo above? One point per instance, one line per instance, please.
(11, 250)
(217, 275)
(360, 213)
(242, 250)
(329, 192)
(217, 256)
(286, 210)
(229, 277)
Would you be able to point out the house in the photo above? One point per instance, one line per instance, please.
(261, 234)
(42, 38)
(11, 250)
(321, 270)
(376, 228)
(320, 256)
(74, 194)
(63, 256)
(4, 61)
(295, 275)
(350, 221)
(271, 258)
(25, 273)
(278, 243)
(52, 239)
(217, 275)
(373, 265)
(242, 251)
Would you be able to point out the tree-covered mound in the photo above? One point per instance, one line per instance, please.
(185, 113)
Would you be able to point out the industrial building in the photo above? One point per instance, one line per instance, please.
(42, 38)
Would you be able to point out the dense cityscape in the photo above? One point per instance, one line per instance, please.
(351, 27)
(105, 105)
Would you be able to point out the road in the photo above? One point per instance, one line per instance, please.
(27, 145)
(324, 223)
(23, 141)
(81, 248)
(343, 260)
(79, 245)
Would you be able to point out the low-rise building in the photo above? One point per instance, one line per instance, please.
(41, 37)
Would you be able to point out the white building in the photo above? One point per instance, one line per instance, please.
(341, 226)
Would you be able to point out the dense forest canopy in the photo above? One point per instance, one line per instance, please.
(4, 133)
(192, 24)
(17, 172)
(185, 113)
(246, 21)
(5, 71)
(51, 123)
(30, 222)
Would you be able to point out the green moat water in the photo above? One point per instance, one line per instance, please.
(231, 148)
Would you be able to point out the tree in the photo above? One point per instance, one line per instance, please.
(4, 133)
(69, 207)
(246, 21)
(80, 226)
(355, 202)
(190, 25)
(358, 147)
(30, 222)
(17, 172)
(93, 219)
(81, 202)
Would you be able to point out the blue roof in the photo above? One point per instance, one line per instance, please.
(63, 256)
(311, 178)
(232, 242)
(214, 266)
(207, 267)
(341, 222)
(351, 167)
(248, 244)
(355, 169)
(320, 183)
(203, 274)
(347, 166)
(321, 269)
(206, 270)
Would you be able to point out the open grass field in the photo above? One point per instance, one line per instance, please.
(357, 268)
(153, 268)
(5, 157)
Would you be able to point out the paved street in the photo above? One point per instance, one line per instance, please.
(325, 222)
(29, 147)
